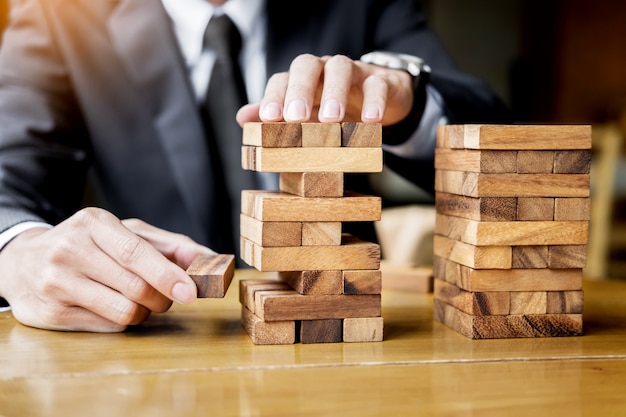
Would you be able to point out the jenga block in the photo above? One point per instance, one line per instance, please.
(481, 208)
(278, 206)
(361, 135)
(474, 303)
(248, 287)
(322, 233)
(535, 162)
(271, 233)
(256, 158)
(535, 208)
(268, 333)
(572, 162)
(507, 326)
(512, 233)
(314, 282)
(321, 331)
(272, 135)
(212, 274)
(473, 184)
(284, 305)
(493, 162)
(528, 257)
(566, 209)
(564, 302)
(403, 277)
(567, 256)
(362, 282)
(312, 184)
(363, 329)
(351, 254)
(479, 257)
(529, 302)
(515, 137)
(484, 280)
(321, 135)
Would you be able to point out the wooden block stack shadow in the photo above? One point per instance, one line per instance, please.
(511, 232)
(329, 283)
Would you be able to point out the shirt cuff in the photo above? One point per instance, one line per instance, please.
(9, 234)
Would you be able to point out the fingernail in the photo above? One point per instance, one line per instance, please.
(371, 111)
(184, 293)
(271, 111)
(296, 110)
(331, 109)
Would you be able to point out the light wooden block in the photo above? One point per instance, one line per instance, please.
(324, 282)
(535, 162)
(322, 233)
(271, 233)
(351, 254)
(403, 277)
(363, 329)
(361, 135)
(279, 206)
(515, 137)
(312, 184)
(535, 208)
(321, 331)
(268, 333)
(493, 162)
(212, 274)
(478, 257)
(529, 302)
(321, 135)
(572, 209)
(248, 287)
(362, 281)
(565, 302)
(477, 208)
(528, 257)
(312, 159)
(572, 162)
(272, 135)
(474, 303)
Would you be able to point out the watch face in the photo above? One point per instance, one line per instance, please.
(412, 64)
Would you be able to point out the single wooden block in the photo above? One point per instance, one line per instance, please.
(312, 184)
(473, 184)
(535, 162)
(324, 282)
(285, 305)
(566, 209)
(512, 233)
(321, 135)
(492, 162)
(474, 303)
(478, 257)
(272, 135)
(284, 207)
(535, 208)
(515, 137)
(508, 326)
(477, 208)
(248, 287)
(362, 281)
(321, 233)
(361, 135)
(321, 331)
(212, 274)
(402, 277)
(271, 233)
(528, 257)
(572, 162)
(256, 158)
(565, 302)
(363, 329)
(351, 254)
(529, 302)
(268, 333)
(567, 256)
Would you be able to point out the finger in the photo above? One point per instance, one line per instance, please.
(304, 79)
(336, 89)
(271, 108)
(374, 99)
(250, 113)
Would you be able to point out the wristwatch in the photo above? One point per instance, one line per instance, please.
(409, 63)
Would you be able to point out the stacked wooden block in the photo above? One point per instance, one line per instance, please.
(329, 282)
(513, 209)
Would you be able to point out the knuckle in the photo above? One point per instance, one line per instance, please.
(129, 249)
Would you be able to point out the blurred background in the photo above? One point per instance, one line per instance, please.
(552, 61)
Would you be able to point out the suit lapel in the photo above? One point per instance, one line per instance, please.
(143, 38)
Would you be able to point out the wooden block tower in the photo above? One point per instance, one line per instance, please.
(513, 209)
(329, 283)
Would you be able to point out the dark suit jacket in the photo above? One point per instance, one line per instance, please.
(100, 84)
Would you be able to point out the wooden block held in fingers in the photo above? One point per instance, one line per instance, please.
(271, 233)
(321, 331)
(361, 135)
(268, 333)
(326, 135)
(272, 135)
(477, 208)
(312, 184)
(321, 282)
(363, 329)
(362, 281)
(212, 274)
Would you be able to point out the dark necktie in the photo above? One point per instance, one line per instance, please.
(225, 95)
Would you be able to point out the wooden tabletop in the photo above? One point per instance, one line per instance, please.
(196, 360)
